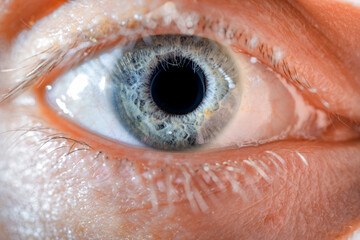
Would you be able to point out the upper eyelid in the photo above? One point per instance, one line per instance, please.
(41, 69)
(331, 85)
(51, 58)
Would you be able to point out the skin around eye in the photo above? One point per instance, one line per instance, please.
(55, 186)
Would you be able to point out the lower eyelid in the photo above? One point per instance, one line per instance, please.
(245, 172)
(137, 183)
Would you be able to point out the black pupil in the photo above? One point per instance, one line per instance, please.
(178, 86)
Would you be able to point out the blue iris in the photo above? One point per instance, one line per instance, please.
(175, 92)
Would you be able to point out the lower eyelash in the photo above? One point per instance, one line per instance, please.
(199, 185)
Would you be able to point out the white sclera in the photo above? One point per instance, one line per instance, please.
(83, 94)
(270, 108)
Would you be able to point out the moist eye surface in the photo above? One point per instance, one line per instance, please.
(175, 92)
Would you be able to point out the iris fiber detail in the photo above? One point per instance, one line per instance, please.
(147, 105)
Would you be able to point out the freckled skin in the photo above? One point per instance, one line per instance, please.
(46, 193)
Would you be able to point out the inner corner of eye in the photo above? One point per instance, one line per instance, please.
(171, 92)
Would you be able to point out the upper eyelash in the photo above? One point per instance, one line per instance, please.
(54, 56)
(41, 70)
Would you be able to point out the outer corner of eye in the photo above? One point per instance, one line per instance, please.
(175, 93)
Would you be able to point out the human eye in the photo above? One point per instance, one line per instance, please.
(83, 163)
(176, 92)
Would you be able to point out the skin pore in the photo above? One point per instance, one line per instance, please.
(291, 189)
